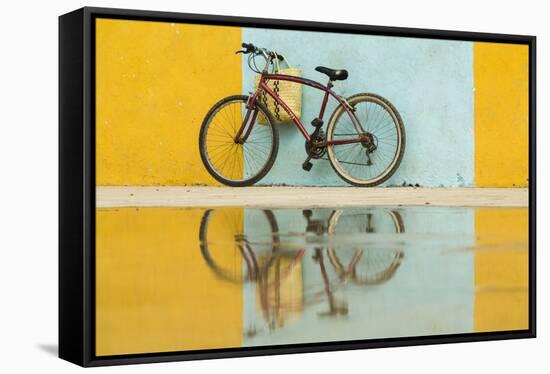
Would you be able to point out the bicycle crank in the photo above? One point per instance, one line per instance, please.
(313, 148)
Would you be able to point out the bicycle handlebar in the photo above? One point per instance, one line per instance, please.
(251, 48)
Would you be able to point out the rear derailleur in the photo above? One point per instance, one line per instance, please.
(369, 142)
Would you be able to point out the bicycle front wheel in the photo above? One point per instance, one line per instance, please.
(367, 164)
(238, 163)
(225, 246)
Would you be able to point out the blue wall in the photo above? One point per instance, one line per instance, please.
(430, 82)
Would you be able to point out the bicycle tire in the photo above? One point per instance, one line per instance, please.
(204, 153)
(387, 173)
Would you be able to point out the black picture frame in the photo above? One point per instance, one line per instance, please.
(77, 185)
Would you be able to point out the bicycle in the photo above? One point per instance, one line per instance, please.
(265, 264)
(364, 139)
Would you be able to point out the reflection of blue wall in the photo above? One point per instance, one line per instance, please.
(429, 81)
(432, 292)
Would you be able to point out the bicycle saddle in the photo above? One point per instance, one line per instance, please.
(334, 75)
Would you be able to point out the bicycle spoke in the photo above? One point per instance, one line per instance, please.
(357, 162)
(235, 161)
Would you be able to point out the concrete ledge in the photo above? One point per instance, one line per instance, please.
(286, 197)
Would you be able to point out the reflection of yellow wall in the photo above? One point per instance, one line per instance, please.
(155, 83)
(501, 114)
(155, 292)
(501, 269)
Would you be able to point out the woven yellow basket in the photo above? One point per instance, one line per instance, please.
(289, 92)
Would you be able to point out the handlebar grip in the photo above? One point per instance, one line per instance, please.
(248, 46)
(280, 57)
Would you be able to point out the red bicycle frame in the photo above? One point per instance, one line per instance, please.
(265, 77)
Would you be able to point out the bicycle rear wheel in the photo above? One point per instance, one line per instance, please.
(363, 164)
(371, 264)
(228, 161)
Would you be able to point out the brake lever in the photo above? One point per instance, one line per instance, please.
(239, 51)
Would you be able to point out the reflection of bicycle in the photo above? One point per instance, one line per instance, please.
(269, 265)
(265, 265)
(210, 245)
(379, 264)
(366, 266)
(364, 140)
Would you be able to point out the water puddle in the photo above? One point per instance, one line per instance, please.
(172, 279)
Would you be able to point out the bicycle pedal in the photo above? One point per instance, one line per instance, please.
(307, 166)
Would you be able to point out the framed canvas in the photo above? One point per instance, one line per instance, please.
(237, 186)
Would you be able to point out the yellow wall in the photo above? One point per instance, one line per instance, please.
(157, 80)
(155, 83)
(501, 73)
(501, 269)
(155, 292)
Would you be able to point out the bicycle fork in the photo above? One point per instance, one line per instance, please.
(241, 138)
